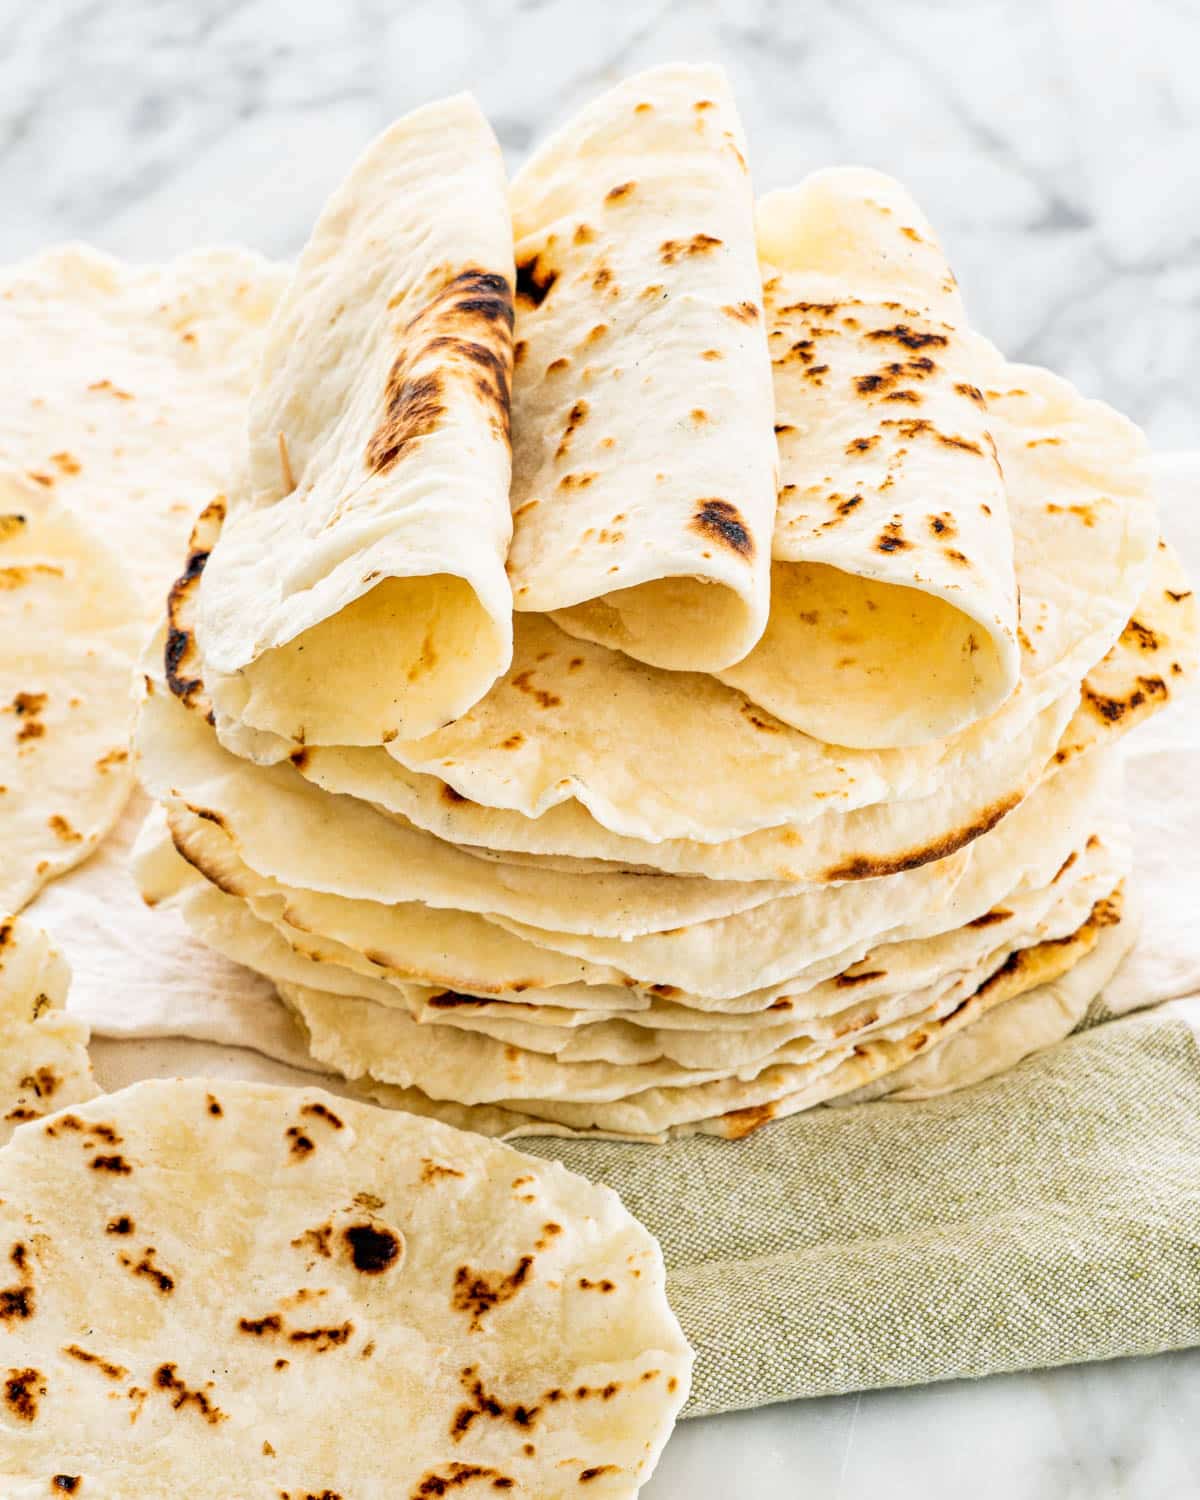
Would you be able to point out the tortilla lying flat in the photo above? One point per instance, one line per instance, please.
(132, 389)
(644, 460)
(893, 597)
(394, 1306)
(70, 627)
(44, 1063)
(358, 588)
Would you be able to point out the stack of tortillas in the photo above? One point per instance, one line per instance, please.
(645, 665)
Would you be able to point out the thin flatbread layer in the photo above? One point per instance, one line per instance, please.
(999, 906)
(70, 628)
(734, 1108)
(893, 597)
(644, 463)
(713, 964)
(1153, 658)
(129, 388)
(358, 1035)
(1026, 1024)
(293, 1293)
(656, 755)
(44, 1063)
(358, 589)
(286, 826)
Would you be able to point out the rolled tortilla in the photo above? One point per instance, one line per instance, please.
(644, 461)
(358, 589)
(893, 598)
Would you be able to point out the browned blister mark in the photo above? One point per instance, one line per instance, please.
(23, 1389)
(466, 328)
(476, 1293)
(865, 867)
(671, 251)
(166, 1379)
(720, 521)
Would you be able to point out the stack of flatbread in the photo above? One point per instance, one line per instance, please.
(651, 667)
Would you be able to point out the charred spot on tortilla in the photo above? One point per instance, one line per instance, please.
(533, 286)
(720, 521)
(910, 338)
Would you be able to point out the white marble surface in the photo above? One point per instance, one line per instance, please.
(1056, 146)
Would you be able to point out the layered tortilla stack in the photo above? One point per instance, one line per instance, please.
(663, 676)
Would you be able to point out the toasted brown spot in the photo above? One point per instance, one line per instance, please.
(372, 1249)
(848, 981)
(720, 522)
(469, 324)
(260, 1327)
(454, 1477)
(971, 392)
(943, 525)
(1178, 598)
(523, 682)
(910, 338)
(61, 829)
(22, 1390)
(1113, 709)
(622, 190)
(107, 385)
(891, 539)
(671, 251)
(861, 445)
(586, 1475)
(534, 284)
(990, 918)
(956, 556)
(166, 1378)
(478, 1292)
(145, 1267)
(740, 1123)
(115, 1164)
(596, 1286)
(432, 1170)
(105, 1366)
(484, 1404)
(68, 1483)
(322, 1340)
(742, 312)
(301, 1144)
(949, 440)
(121, 1225)
(865, 867)
(1135, 633)
(319, 1111)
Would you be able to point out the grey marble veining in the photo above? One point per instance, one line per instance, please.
(1055, 144)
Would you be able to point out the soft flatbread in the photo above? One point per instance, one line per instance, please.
(358, 589)
(70, 628)
(644, 463)
(44, 1062)
(295, 1294)
(893, 597)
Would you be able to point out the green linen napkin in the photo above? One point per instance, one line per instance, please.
(1047, 1216)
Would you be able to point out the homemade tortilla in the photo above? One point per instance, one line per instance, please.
(297, 1294)
(70, 624)
(358, 591)
(644, 462)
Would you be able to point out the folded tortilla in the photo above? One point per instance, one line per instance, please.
(644, 460)
(893, 597)
(358, 589)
